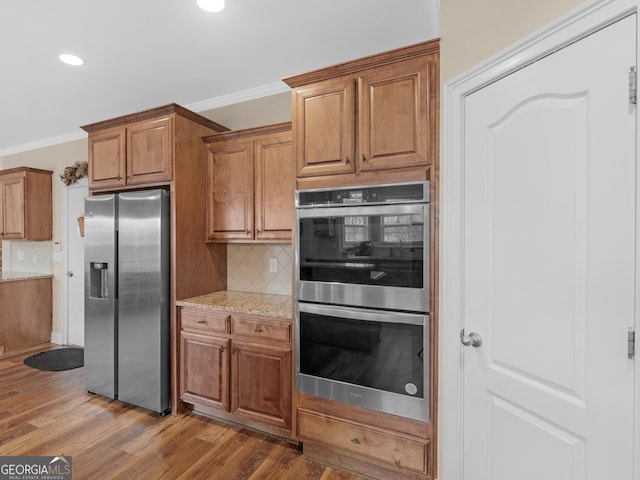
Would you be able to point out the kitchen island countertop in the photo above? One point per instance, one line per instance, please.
(268, 305)
(8, 276)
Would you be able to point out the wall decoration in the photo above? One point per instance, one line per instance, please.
(73, 173)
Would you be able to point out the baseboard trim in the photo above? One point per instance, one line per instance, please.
(57, 338)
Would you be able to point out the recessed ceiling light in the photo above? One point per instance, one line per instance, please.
(211, 5)
(71, 59)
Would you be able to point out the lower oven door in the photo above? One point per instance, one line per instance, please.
(369, 358)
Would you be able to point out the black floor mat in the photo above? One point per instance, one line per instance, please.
(56, 360)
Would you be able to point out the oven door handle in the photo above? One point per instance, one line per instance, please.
(353, 313)
(356, 210)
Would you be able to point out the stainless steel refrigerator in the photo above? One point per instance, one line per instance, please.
(127, 297)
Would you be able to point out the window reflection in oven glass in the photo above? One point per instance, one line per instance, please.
(380, 355)
(383, 250)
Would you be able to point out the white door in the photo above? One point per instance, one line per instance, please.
(74, 263)
(549, 267)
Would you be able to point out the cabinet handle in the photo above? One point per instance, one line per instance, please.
(258, 330)
(355, 441)
(248, 232)
(347, 161)
(222, 347)
(234, 349)
(258, 232)
(364, 158)
(202, 322)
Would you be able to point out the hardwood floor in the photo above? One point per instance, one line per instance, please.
(50, 413)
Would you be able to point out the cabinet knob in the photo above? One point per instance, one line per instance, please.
(258, 330)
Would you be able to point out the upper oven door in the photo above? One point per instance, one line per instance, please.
(372, 256)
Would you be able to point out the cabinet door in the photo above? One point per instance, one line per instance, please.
(107, 150)
(261, 383)
(396, 115)
(230, 191)
(13, 207)
(275, 185)
(204, 370)
(150, 151)
(324, 124)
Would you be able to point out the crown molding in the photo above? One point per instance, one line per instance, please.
(238, 97)
(46, 142)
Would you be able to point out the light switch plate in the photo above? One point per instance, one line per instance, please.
(273, 265)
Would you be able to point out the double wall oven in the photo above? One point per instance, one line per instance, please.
(362, 296)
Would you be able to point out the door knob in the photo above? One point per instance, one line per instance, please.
(471, 340)
(69, 273)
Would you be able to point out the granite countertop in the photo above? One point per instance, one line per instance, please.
(244, 302)
(7, 276)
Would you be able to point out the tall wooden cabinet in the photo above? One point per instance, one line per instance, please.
(367, 122)
(250, 185)
(162, 148)
(375, 113)
(25, 204)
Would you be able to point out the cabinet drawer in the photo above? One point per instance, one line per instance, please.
(367, 442)
(260, 327)
(202, 319)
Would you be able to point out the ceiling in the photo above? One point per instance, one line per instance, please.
(145, 53)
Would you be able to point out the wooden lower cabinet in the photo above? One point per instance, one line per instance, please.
(370, 443)
(237, 368)
(27, 306)
(205, 370)
(261, 383)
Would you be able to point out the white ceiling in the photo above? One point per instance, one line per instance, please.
(145, 53)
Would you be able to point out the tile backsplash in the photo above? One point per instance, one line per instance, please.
(35, 257)
(248, 268)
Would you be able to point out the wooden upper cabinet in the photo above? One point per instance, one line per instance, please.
(25, 204)
(324, 115)
(12, 188)
(393, 117)
(376, 113)
(135, 154)
(107, 158)
(149, 151)
(230, 191)
(274, 187)
(140, 149)
(250, 185)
